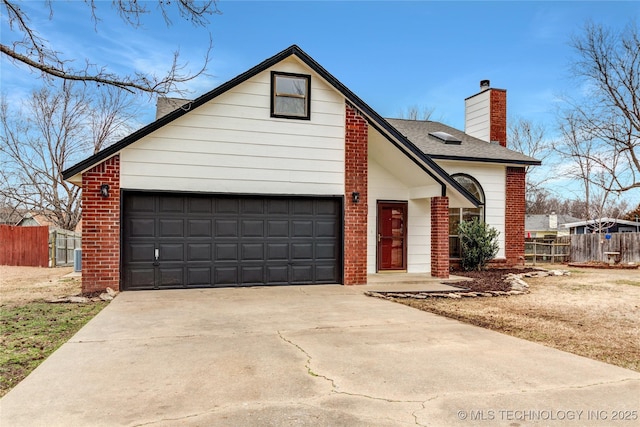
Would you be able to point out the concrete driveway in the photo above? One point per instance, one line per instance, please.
(315, 355)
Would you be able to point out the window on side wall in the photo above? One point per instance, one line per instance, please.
(457, 215)
(290, 95)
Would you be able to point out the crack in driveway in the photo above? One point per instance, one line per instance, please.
(334, 386)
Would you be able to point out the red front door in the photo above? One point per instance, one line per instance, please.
(392, 236)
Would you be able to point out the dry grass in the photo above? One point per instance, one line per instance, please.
(30, 328)
(592, 313)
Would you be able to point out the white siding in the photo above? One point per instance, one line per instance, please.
(492, 179)
(384, 186)
(231, 144)
(477, 115)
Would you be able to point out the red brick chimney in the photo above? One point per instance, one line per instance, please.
(486, 114)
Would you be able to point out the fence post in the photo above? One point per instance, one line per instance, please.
(54, 249)
(535, 252)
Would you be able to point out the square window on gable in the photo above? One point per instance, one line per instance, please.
(290, 95)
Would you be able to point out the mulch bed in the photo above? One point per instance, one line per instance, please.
(488, 280)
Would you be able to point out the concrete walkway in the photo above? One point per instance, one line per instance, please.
(315, 355)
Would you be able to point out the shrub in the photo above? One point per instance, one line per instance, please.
(478, 244)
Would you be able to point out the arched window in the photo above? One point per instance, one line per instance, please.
(456, 215)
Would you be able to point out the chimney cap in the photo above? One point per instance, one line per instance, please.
(485, 84)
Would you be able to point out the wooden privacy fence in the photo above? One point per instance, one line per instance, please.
(62, 244)
(593, 247)
(24, 246)
(553, 252)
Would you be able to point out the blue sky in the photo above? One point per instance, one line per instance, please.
(392, 54)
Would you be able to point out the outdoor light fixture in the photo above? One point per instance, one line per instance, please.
(355, 197)
(104, 190)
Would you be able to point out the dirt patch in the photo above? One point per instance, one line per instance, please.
(20, 285)
(604, 265)
(593, 313)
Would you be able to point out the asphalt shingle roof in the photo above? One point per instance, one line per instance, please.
(470, 148)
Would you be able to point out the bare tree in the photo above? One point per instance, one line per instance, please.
(54, 128)
(529, 138)
(29, 47)
(608, 115)
(417, 113)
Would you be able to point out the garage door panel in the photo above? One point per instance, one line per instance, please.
(252, 206)
(172, 252)
(227, 275)
(142, 203)
(252, 251)
(226, 228)
(171, 228)
(226, 252)
(200, 205)
(326, 251)
(199, 252)
(325, 273)
(252, 228)
(142, 227)
(208, 240)
(199, 276)
(302, 228)
(278, 228)
(278, 251)
(302, 251)
(302, 207)
(171, 277)
(301, 274)
(143, 278)
(327, 207)
(171, 204)
(252, 274)
(327, 228)
(227, 206)
(199, 228)
(140, 252)
(277, 274)
(277, 207)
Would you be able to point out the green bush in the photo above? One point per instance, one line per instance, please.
(478, 244)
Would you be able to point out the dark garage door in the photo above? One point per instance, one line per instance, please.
(192, 241)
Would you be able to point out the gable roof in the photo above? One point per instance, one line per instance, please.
(601, 221)
(540, 222)
(469, 148)
(374, 119)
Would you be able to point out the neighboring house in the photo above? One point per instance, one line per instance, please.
(547, 226)
(282, 175)
(603, 225)
(34, 220)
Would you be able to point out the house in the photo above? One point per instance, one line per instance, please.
(547, 227)
(603, 225)
(283, 175)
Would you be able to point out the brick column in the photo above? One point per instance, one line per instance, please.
(355, 214)
(440, 237)
(101, 227)
(514, 216)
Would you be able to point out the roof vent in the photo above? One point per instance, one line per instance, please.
(484, 85)
(446, 138)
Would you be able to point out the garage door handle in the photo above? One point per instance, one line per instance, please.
(156, 256)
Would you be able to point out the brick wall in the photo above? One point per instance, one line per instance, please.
(514, 217)
(498, 116)
(440, 237)
(101, 227)
(355, 214)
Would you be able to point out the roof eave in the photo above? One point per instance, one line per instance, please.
(486, 160)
